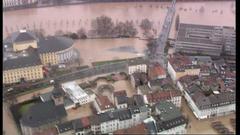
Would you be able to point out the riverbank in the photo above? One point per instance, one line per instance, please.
(95, 1)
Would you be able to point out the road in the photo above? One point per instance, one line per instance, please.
(204, 126)
(158, 53)
(9, 125)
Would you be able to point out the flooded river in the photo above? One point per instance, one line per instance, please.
(73, 17)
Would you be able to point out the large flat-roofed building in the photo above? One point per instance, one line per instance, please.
(76, 93)
(199, 39)
(26, 66)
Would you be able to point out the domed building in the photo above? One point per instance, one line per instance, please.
(21, 63)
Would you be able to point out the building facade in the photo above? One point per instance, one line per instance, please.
(17, 3)
(28, 73)
(25, 55)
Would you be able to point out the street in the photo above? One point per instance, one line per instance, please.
(204, 126)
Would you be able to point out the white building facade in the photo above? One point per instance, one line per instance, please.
(210, 112)
(15, 3)
(137, 68)
(76, 93)
(181, 129)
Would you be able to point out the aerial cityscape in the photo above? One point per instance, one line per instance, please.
(83, 67)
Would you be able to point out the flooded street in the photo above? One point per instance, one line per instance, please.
(9, 125)
(74, 17)
(204, 126)
(107, 49)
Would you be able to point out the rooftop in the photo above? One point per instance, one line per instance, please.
(182, 62)
(162, 95)
(30, 59)
(43, 113)
(104, 102)
(155, 71)
(165, 125)
(120, 93)
(54, 44)
(74, 90)
(208, 92)
(23, 36)
(64, 127)
(138, 129)
(167, 110)
(140, 78)
(200, 34)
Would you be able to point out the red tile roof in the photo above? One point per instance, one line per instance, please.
(104, 102)
(179, 61)
(85, 121)
(162, 95)
(138, 129)
(49, 131)
(120, 93)
(155, 71)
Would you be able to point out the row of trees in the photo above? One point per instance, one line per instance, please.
(104, 26)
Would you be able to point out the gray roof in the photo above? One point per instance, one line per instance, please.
(54, 44)
(122, 114)
(77, 125)
(167, 110)
(151, 128)
(67, 102)
(138, 100)
(122, 99)
(107, 116)
(134, 109)
(165, 125)
(25, 36)
(204, 59)
(43, 113)
(21, 37)
(32, 59)
(185, 30)
(46, 96)
(64, 127)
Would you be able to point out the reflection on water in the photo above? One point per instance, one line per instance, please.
(101, 49)
(73, 17)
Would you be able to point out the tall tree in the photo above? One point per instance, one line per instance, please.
(82, 33)
(103, 26)
(146, 25)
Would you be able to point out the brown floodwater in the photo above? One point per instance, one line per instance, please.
(73, 17)
(92, 50)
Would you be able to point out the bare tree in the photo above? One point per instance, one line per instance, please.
(146, 25)
(201, 10)
(103, 26)
(82, 33)
(126, 29)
